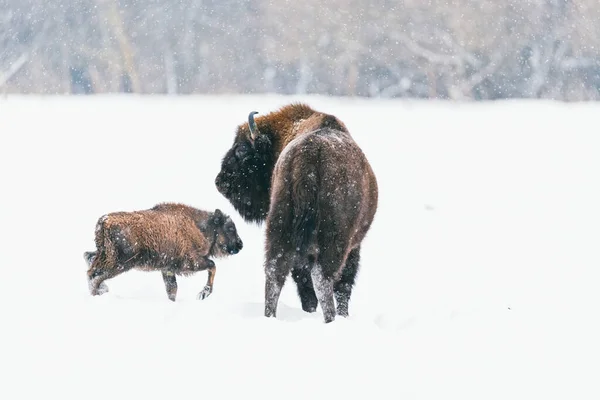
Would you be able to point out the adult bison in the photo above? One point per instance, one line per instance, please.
(301, 171)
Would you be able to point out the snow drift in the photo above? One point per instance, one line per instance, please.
(479, 278)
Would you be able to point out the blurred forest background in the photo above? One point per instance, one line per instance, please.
(448, 49)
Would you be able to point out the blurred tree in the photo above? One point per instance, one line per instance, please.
(453, 49)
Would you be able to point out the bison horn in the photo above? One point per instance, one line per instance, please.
(252, 125)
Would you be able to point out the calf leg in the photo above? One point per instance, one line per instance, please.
(208, 288)
(324, 289)
(343, 288)
(101, 270)
(97, 274)
(89, 257)
(97, 286)
(306, 291)
(170, 284)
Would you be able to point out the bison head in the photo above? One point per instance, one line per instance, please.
(246, 169)
(227, 240)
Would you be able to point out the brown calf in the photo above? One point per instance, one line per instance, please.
(172, 238)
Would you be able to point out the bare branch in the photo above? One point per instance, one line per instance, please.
(427, 54)
(457, 48)
(13, 69)
(485, 72)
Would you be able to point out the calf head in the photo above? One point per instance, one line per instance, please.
(226, 240)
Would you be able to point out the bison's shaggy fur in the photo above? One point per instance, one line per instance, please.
(301, 171)
(172, 238)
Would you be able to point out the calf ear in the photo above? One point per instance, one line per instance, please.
(217, 218)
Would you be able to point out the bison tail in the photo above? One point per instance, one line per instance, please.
(89, 257)
(305, 200)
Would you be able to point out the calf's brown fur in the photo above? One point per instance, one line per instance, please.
(173, 238)
(301, 171)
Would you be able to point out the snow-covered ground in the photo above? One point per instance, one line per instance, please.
(480, 278)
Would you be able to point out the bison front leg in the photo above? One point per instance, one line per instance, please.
(170, 284)
(208, 288)
(306, 291)
(324, 289)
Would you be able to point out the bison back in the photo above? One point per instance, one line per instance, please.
(320, 191)
(147, 235)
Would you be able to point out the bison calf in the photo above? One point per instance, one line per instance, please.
(172, 238)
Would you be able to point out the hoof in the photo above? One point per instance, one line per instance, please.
(102, 288)
(328, 318)
(343, 313)
(204, 293)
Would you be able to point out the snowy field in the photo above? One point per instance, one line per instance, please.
(480, 278)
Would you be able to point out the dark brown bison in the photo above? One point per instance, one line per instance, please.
(173, 238)
(301, 172)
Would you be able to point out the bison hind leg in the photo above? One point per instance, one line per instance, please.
(277, 268)
(323, 285)
(343, 288)
(98, 272)
(96, 284)
(101, 288)
(89, 257)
